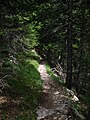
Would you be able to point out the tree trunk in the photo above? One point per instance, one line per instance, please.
(69, 46)
(81, 48)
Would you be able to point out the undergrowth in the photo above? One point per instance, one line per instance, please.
(79, 106)
(24, 86)
(53, 76)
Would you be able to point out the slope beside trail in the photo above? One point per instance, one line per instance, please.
(54, 104)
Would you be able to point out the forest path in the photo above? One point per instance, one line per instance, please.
(53, 103)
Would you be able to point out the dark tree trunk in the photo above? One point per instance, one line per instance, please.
(80, 65)
(69, 46)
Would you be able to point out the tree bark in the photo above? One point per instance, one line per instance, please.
(69, 46)
(81, 48)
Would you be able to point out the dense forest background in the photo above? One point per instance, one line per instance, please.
(57, 31)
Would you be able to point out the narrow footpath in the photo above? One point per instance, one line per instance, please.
(54, 104)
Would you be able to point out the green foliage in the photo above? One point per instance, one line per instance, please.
(26, 85)
(31, 37)
(55, 78)
(26, 115)
(27, 82)
(34, 63)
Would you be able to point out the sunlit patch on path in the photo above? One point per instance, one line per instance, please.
(54, 104)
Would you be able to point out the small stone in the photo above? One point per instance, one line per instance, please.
(55, 118)
(56, 93)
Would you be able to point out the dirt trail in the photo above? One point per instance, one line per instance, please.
(54, 104)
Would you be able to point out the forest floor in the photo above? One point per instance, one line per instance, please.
(54, 104)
